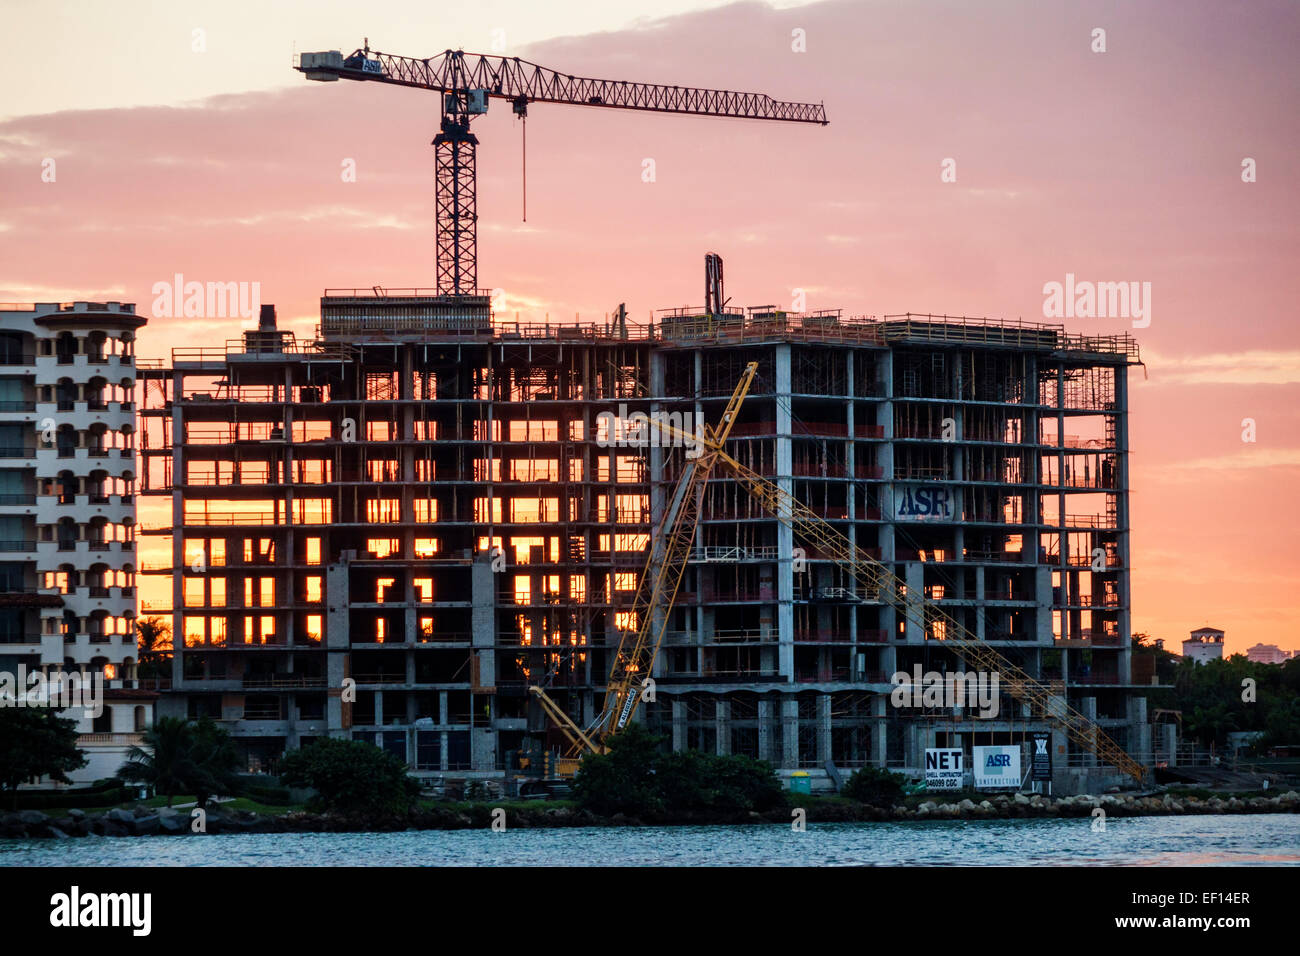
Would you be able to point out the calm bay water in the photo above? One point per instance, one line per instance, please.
(1264, 839)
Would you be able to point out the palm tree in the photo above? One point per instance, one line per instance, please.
(163, 761)
(155, 647)
(183, 756)
(214, 762)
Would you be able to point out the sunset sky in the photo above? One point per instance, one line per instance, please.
(204, 153)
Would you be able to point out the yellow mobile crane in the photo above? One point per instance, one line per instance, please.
(669, 550)
(877, 581)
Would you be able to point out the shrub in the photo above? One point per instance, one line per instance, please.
(350, 776)
(875, 786)
(622, 780)
(638, 779)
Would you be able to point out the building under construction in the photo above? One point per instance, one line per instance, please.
(395, 529)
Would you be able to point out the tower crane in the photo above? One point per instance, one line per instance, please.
(468, 81)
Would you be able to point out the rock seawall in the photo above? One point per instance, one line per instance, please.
(149, 821)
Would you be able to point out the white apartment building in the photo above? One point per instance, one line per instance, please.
(67, 510)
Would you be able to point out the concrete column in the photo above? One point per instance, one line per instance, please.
(679, 724)
(824, 728)
(483, 749)
(765, 730)
(724, 727)
(1088, 707)
(784, 536)
(880, 730)
(483, 618)
(789, 731)
(914, 577)
(338, 714)
(1139, 731)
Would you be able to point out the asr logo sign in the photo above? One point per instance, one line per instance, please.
(997, 767)
(923, 503)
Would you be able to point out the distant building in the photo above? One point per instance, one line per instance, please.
(1205, 644)
(1268, 654)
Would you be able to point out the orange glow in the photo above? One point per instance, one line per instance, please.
(481, 512)
(534, 510)
(383, 547)
(383, 510)
(534, 431)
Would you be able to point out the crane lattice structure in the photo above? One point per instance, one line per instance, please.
(668, 554)
(467, 81)
(879, 583)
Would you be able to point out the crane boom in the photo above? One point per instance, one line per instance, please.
(454, 71)
(668, 553)
(665, 565)
(467, 81)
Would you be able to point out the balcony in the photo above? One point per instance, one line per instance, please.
(110, 740)
(283, 682)
(720, 676)
(823, 675)
(261, 713)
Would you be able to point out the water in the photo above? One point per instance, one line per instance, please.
(1264, 839)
